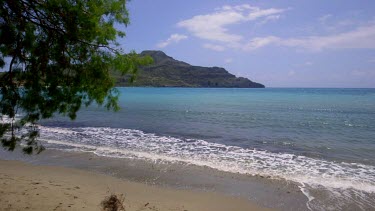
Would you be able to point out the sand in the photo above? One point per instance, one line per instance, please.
(27, 187)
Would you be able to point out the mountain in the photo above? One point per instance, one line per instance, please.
(168, 72)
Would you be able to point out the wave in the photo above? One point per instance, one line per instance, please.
(118, 142)
(5, 119)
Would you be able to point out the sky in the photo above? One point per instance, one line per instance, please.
(294, 43)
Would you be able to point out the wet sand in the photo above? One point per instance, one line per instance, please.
(256, 190)
(28, 187)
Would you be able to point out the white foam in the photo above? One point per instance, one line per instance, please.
(5, 119)
(307, 194)
(118, 142)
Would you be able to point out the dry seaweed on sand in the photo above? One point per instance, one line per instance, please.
(113, 203)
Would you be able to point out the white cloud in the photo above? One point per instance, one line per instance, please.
(214, 47)
(228, 60)
(259, 42)
(324, 18)
(270, 18)
(368, 73)
(174, 38)
(362, 37)
(214, 26)
(291, 73)
(304, 64)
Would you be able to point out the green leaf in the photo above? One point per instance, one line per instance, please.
(62, 53)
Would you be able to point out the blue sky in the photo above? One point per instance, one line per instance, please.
(278, 43)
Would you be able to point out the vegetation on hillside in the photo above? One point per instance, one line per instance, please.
(168, 72)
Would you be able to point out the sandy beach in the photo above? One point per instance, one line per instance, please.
(28, 187)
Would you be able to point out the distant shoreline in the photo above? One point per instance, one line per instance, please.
(195, 87)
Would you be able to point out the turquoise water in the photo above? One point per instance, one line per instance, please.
(330, 123)
(322, 139)
(334, 124)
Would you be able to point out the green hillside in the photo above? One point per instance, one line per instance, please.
(168, 72)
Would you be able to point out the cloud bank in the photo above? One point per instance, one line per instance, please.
(361, 37)
(213, 26)
(214, 29)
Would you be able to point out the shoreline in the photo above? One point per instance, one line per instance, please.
(178, 177)
(41, 187)
(256, 190)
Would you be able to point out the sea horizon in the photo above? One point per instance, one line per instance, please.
(275, 87)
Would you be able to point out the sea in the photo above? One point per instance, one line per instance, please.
(322, 139)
